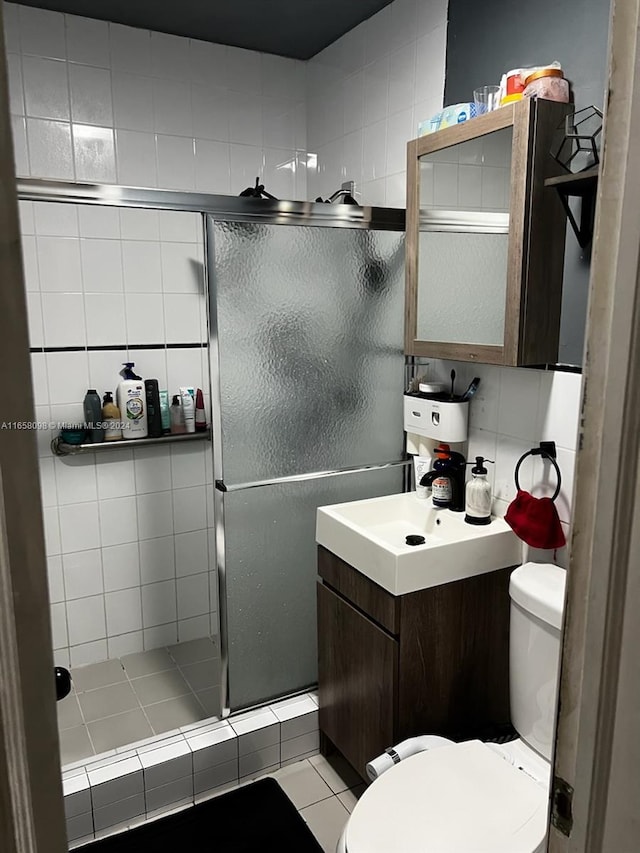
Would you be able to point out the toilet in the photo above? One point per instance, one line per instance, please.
(476, 797)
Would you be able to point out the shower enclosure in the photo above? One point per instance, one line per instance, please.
(192, 563)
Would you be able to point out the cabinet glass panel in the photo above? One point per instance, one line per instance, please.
(463, 241)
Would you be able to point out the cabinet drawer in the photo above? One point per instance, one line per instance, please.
(357, 675)
(366, 595)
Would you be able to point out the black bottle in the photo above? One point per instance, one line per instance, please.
(447, 479)
(154, 415)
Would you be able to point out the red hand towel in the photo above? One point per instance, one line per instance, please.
(535, 521)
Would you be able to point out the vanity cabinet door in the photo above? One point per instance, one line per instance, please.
(357, 674)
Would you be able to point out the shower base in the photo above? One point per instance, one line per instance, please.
(124, 700)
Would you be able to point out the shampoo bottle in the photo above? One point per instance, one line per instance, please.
(478, 495)
(111, 418)
(188, 409)
(177, 420)
(131, 402)
(201, 418)
(93, 416)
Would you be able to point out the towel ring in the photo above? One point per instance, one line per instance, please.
(547, 454)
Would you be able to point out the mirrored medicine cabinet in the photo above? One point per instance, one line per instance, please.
(485, 239)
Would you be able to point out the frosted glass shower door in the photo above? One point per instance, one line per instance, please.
(308, 323)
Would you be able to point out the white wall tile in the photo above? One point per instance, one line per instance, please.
(27, 220)
(155, 516)
(157, 561)
(11, 23)
(50, 153)
(158, 604)
(30, 264)
(68, 377)
(132, 101)
(42, 32)
(101, 266)
(160, 635)
(193, 595)
(59, 264)
(121, 566)
(76, 480)
(105, 318)
(63, 317)
(46, 88)
(20, 154)
(245, 119)
(189, 509)
(246, 164)
(179, 226)
(34, 318)
(94, 153)
(399, 132)
(136, 157)
(145, 318)
(175, 162)
(83, 574)
(194, 628)
(79, 528)
(96, 221)
(59, 626)
(89, 652)
(90, 95)
(182, 317)
(124, 611)
(125, 644)
(16, 85)
(187, 466)
(50, 518)
(53, 219)
(141, 266)
(55, 576)
(375, 151)
(115, 475)
(86, 620)
(130, 49)
(153, 469)
(210, 112)
(182, 268)
(243, 70)
(170, 56)
(212, 164)
(118, 521)
(87, 41)
(172, 107)
(559, 411)
(376, 90)
(208, 63)
(139, 224)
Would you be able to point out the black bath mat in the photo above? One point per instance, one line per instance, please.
(256, 817)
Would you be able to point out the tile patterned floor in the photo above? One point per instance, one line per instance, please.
(324, 791)
(122, 701)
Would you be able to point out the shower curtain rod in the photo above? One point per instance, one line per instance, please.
(229, 208)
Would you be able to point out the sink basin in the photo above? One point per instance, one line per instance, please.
(371, 534)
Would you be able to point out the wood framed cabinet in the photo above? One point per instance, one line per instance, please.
(429, 662)
(485, 239)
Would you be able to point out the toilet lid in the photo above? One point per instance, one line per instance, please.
(463, 798)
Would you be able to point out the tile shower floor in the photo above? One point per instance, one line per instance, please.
(121, 701)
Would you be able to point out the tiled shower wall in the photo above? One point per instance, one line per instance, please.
(129, 533)
(366, 94)
(94, 101)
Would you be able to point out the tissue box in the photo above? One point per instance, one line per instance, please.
(447, 117)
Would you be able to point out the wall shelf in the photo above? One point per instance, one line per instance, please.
(61, 448)
(584, 185)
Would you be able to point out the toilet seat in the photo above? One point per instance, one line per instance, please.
(463, 798)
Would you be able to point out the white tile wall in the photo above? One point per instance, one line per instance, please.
(113, 556)
(514, 410)
(105, 103)
(366, 94)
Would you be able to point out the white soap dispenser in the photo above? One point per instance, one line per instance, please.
(478, 495)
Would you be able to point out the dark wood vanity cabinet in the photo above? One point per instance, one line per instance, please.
(429, 662)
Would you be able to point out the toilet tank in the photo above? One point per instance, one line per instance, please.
(537, 602)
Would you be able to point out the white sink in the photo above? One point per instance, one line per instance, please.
(371, 536)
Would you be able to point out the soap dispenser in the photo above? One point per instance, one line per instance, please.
(446, 480)
(478, 495)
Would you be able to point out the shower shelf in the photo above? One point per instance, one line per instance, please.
(61, 448)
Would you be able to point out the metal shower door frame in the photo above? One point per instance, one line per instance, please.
(224, 209)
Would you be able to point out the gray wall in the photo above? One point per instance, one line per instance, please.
(485, 39)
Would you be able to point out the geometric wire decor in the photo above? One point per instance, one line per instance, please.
(577, 140)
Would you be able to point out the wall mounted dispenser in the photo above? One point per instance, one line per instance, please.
(436, 417)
